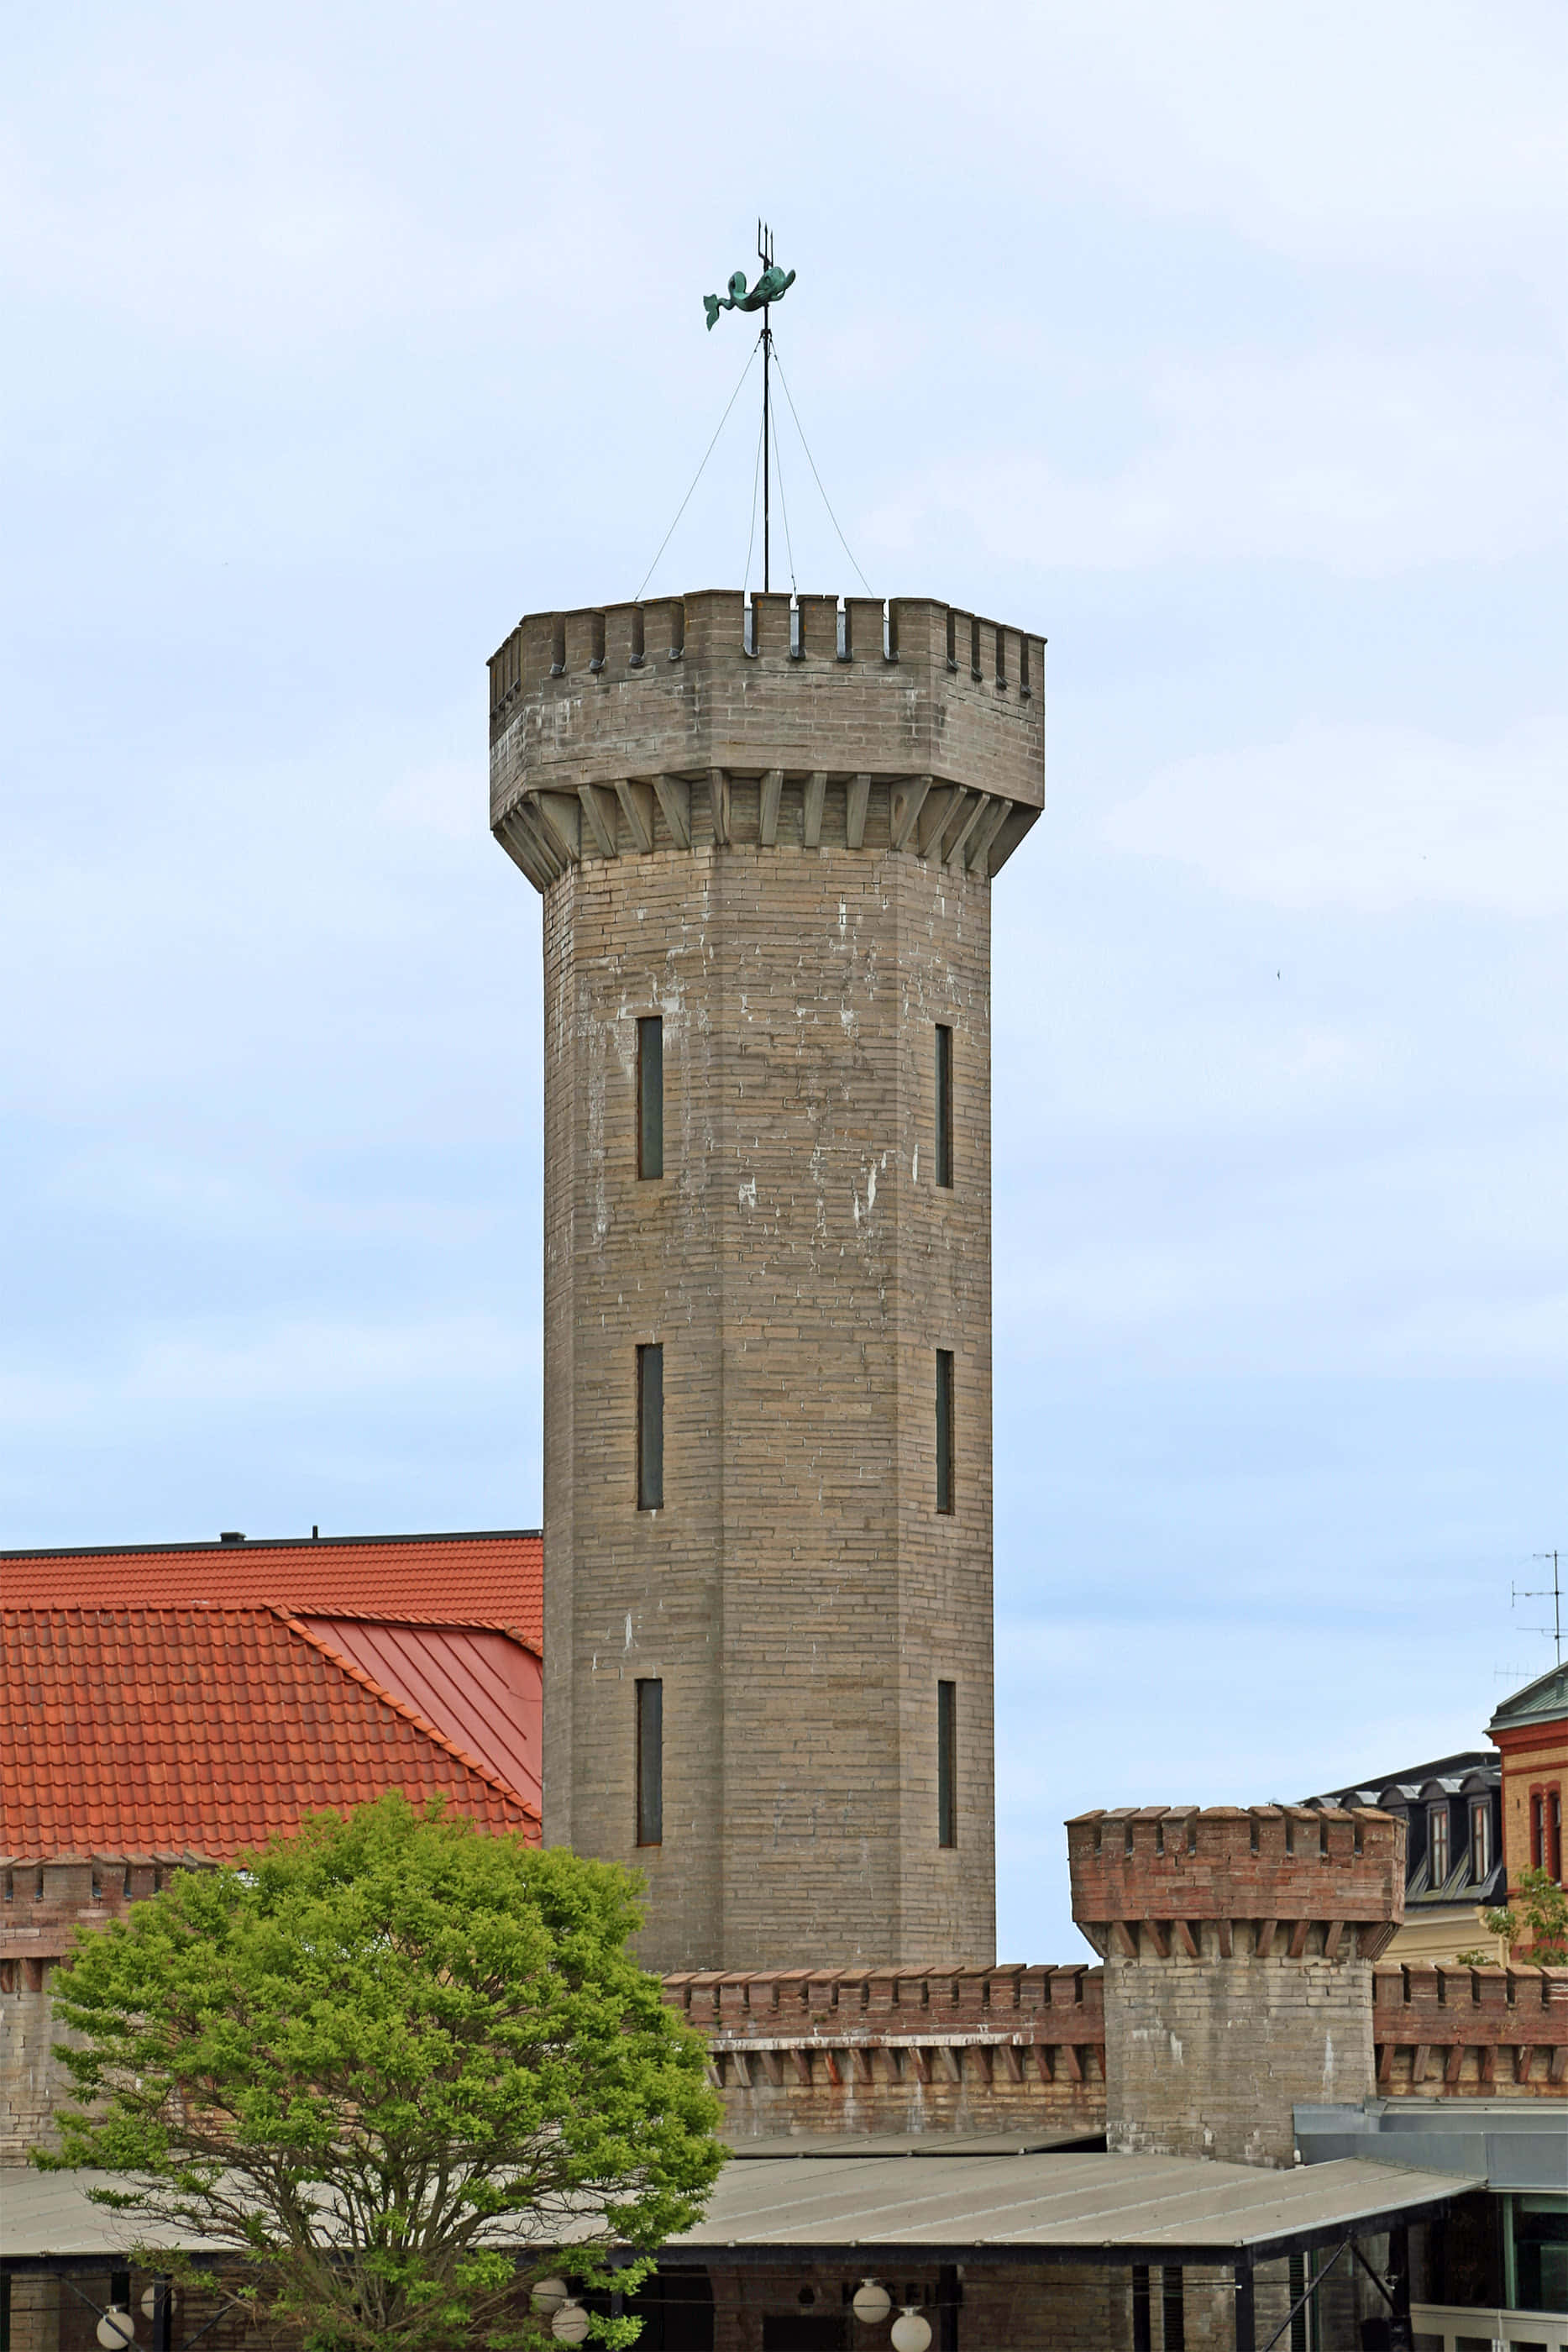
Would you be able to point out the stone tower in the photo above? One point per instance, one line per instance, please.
(765, 835)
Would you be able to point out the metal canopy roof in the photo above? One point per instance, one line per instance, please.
(1020, 2141)
(1073, 2208)
(1513, 2144)
(1086, 2208)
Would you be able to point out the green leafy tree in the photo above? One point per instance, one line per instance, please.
(1538, 1917)
(400, 2069)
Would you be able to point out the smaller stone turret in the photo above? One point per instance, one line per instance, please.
(1238, 1948)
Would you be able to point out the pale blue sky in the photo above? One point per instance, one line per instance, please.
(1222, 344)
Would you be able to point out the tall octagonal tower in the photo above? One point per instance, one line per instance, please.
(765, 837)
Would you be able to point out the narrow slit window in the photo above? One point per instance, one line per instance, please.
(1143, 2334)
(651, 1428)
(946, 1764)
(649, 1763)
(944, 1104)
(650, 1096)
(945, 1429)
(1172, 2310)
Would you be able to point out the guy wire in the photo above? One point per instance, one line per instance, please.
(805, 445)
(697, 478)
(784, 505)
(751, 540)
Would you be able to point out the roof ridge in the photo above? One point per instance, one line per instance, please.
(272, 1543)
(403, 1706)
(134, 1608)
(469, 1624)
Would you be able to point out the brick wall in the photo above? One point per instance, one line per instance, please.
(1024, 2308)
(44, 1903)
(884, 2049)
(1471, 2033)
(1224, 1881)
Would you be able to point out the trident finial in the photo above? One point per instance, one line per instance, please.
(771, 286)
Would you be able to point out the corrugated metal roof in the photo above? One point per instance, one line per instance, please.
(1093, 2209)
(1107, 2207)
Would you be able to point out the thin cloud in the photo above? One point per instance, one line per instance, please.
(1368, 818)
(1365, 462)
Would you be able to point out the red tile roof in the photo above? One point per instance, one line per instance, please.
(488, 1579)
(203, 1731)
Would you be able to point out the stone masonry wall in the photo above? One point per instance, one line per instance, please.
(596, 717)
(1209, 2058)
(799, 1595)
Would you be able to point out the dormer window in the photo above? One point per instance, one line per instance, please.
(1438, 1844)
(1480, 1840)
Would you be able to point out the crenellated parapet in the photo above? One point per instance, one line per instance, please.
(1160, 1883)
(1471, 2031)
(46, 1899)
(813, 2050)
(706, 722)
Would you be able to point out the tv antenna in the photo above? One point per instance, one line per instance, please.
(1553, 1592)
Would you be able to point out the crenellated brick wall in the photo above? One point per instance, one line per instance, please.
(42, 1904)
(1237, 1947)
(1225, 1881)
(1471, 2033)
(895, 2048)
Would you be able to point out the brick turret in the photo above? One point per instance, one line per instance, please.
(1237, 1948)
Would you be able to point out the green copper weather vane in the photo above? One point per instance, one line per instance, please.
(772, 287)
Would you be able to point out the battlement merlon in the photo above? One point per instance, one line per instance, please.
(699, 721)
(1296, 1880)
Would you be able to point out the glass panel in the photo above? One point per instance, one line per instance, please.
(649, 1429)
(650, 1096)
(946, 1764)
(649, 1763)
